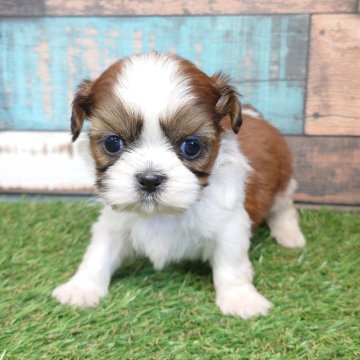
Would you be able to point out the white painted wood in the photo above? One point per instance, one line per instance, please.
(44, 162)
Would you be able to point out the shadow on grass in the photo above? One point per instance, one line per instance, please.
(196, 274)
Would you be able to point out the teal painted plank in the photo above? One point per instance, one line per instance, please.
(43, 59)
(279, 101)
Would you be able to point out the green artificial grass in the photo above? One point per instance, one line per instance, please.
(172, 314)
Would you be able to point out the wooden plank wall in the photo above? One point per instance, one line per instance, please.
(296, 61)
(268, 59)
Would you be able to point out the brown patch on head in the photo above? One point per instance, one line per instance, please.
(198, 118)
(97, 102)
(192, 121)
(270, 157)
(86, 95)
(103, 127)
(214, 99)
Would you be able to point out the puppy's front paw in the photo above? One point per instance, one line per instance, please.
(243, 301)
(78, 293)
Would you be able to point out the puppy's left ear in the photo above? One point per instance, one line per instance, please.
(81, 107)
(228, 103)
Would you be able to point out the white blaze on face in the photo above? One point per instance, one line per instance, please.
(153, 86)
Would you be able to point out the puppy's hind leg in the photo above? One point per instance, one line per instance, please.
(283, 219)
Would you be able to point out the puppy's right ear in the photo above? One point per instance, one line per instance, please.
(81, 107)
(228, 103)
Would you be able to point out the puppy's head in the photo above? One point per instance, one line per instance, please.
(154, 130)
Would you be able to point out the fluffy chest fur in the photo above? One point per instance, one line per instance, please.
(166, 238)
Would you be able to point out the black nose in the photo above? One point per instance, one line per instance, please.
(149, 182)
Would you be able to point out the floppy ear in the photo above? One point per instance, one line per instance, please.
(80, 107)
(228, 103)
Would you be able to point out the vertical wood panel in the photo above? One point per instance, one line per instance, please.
(333, 101)
(43, 59)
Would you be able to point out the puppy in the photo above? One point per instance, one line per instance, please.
(178, 179)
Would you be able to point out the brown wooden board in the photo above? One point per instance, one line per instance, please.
(22, 7)
(333, 92)
(327, 169)
(186, 7)
(176, 7)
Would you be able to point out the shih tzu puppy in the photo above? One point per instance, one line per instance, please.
(183, 174)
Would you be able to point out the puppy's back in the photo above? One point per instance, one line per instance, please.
(270, 157)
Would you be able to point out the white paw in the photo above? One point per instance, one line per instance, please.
(79, 293)
(293, 239)
(243, 301)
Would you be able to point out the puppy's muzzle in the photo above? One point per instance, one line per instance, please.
(149, 182)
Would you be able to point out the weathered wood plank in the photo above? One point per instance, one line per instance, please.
(327, 169)
(332, 125)
(176, 7)
(43, 59)
(42, 162)
(333, 94)
(22, 7)
(199, 7)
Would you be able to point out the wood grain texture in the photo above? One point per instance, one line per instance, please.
(43, 60)
(22, 7)
(199, 7)
(278, 101)
(333, 101)
(327, 169)
(43, 162)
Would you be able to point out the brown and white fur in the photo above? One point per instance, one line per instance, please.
(206, 207)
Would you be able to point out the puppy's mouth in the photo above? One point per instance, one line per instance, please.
(150, 193)
(147, 205)
(150, 189)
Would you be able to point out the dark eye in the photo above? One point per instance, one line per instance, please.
(113, 144)
(190, 147)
